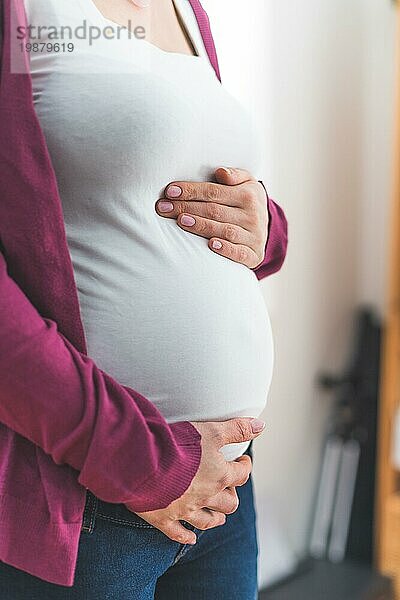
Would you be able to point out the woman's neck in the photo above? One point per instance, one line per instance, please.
(160, 21)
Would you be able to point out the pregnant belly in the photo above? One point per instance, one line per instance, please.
(192, 334)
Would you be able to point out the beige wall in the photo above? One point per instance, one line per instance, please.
(321, 88)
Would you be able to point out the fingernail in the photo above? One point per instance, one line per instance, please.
(227, 170)
(174, 191)
(165, 206)
(188, 221)
(257, 425)
(216, 245)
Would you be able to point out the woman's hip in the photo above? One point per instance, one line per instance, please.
(121, 556)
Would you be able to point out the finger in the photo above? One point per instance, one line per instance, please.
(213, 229)
(205, 191)
(238, 471)
(225, 502)
(238, 430)
(177, 532)
(232, 176)
(208, 210)
(238, 252)
(206, 519)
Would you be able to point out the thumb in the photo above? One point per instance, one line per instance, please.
(240, 430)
(230, 176)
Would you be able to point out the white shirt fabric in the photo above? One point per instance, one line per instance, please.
(162, 313)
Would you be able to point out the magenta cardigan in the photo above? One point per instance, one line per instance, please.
(65, 425)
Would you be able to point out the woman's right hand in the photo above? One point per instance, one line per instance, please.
(211, 494)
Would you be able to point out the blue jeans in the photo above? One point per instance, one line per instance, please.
(121, 557)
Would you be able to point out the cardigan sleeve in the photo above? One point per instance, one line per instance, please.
(277, 241)
(56, 397)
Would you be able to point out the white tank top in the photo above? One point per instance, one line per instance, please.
(162, 313)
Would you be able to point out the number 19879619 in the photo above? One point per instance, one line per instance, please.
(47, 47)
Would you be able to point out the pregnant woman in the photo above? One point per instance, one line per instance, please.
(136, 351)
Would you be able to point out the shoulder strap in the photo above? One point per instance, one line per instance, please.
(205, 30)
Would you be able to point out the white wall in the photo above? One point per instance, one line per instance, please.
(318, 76)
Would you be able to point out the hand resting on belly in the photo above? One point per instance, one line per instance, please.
(231, 213)
(212, 494)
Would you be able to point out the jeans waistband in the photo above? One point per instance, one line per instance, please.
(119, 511)
(89, 513)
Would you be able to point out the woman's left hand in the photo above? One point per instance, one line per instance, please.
(231, 213)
